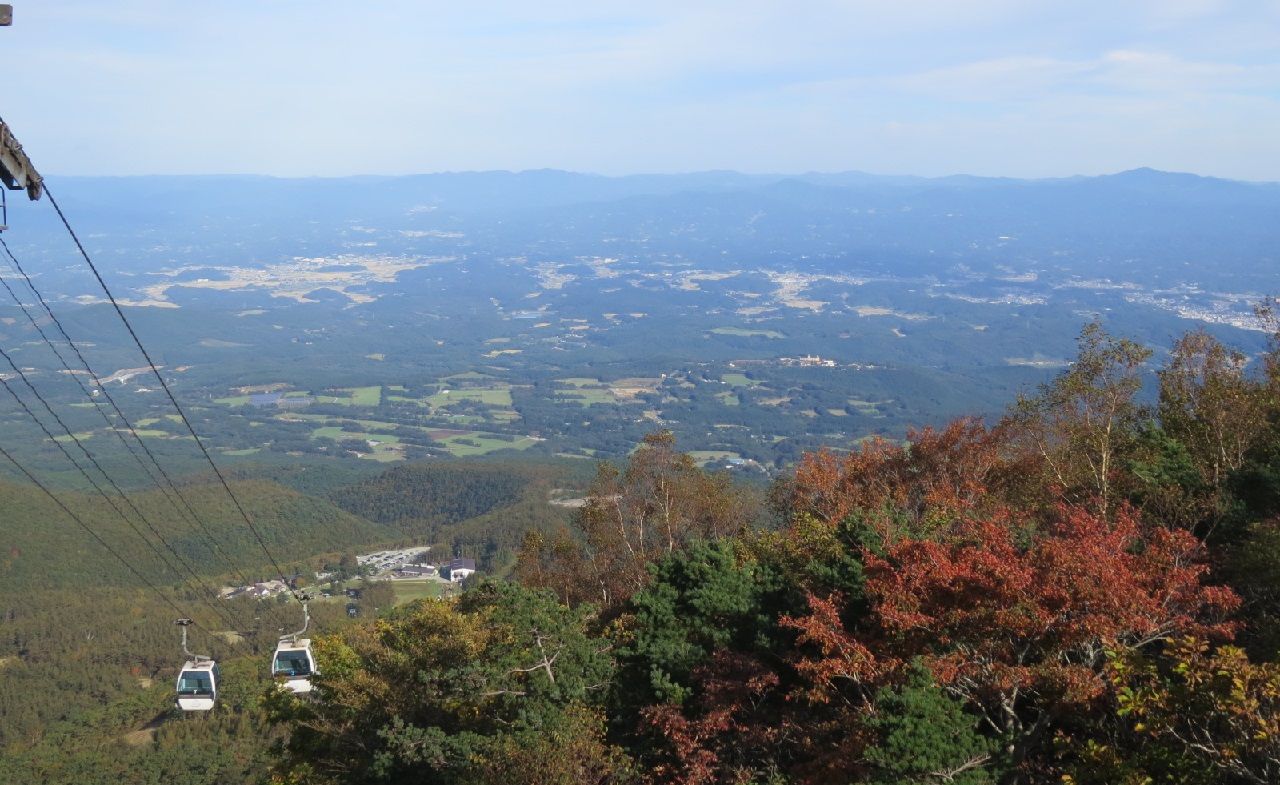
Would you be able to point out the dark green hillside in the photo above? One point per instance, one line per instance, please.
(433, 494)
(477, 509)
(42, 548)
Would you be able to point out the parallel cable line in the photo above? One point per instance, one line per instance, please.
(97, 538)
(168, 392)
(168, 481)
(111, 426)
(172, 487)
(105, 496)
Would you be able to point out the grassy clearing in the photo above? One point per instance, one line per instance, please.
(376, 425)
(585, 397)
(746, 333)
(491, 396)
(247, 451)
(410, 590)
(739, 380)
(422, 402)
(461, 419)
(387, 447)
(233, 400)
(356, 396)
(703, 457)
(337, 399)
(218, 343)
(302, 417)
(64, 439)
(366, 396)
(336, 433)
(868, 408)
(477, 443)
(729, 399)
(580, 381)
(380, 447)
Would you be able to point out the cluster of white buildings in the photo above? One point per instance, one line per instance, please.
(456, 571)
(386, 561)
(410, 563)
(257, 591)
(808, 359)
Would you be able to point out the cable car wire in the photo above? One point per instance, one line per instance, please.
(111, 426)
(182, 415)
(168, 392)
(88, 529)
(207, 533)
(105, 496)
(190, 511)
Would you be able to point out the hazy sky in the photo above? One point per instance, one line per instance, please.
(294, 87)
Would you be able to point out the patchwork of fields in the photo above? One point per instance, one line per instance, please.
(444, 415)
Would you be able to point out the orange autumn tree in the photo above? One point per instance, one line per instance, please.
(936, 473)
(1015, 620)
(633, 516)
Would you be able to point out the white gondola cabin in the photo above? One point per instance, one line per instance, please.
(198, 685)
(294, 664)
(198, 680)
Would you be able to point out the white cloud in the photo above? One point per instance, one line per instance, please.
(320, 87)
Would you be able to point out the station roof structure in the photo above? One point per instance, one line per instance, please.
(16, 169)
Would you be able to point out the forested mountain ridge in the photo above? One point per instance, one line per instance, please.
(433, 494)
(475, 509)
(44, 549)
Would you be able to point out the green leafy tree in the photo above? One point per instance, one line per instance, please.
(1253, 568)
(1081, 426)
(925, 736)
(705, 598)
(457, 692)
(1208, 404)
(1203, 709)
(1168, 486)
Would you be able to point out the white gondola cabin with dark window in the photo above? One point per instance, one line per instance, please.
(198, 685)
(197, 688)
(294, 663)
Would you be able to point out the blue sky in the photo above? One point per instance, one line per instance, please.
(931, 87)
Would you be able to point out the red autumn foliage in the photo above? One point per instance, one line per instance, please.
(844, 659)
(1017, 621)
(938, 472)
(703, 749)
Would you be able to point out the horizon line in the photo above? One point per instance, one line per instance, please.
(672, 174)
